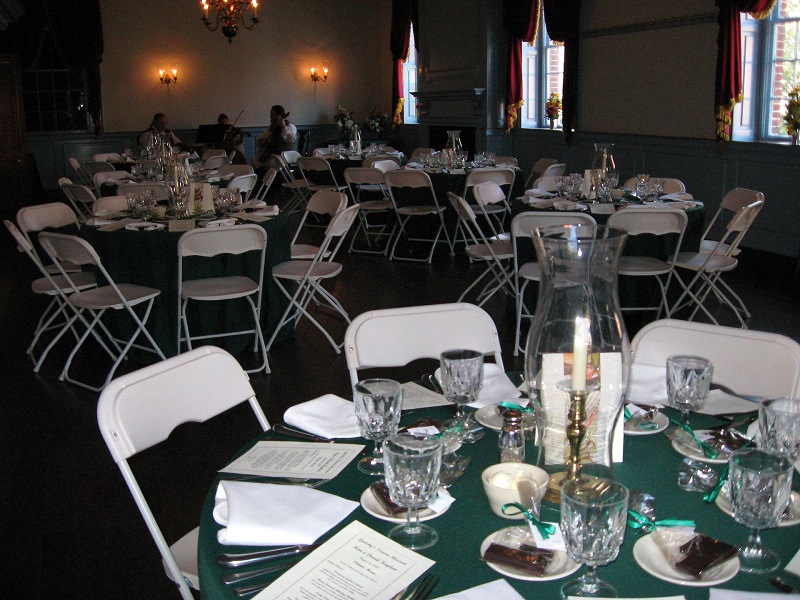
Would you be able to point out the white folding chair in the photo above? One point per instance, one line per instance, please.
(731, 203)
(522, 226)
(752, 363)
(554, 170)
(370, 161)
(215, 241)
(415, 183)
(245, 184)
(80, 197)
(106, 205)
(214, 162)
(298, 188)
(416, 332)
(506, 161)
(139, 410)
(107, 157)
(667, 223)
(416, 155)
(211, 152)
(79, 171)
(109, 176)
(496, 255)
(95, 302)
(368, 190)
(709, 267)
(58, 312)
(503, 178)
(317, 173)
(538, 169)
(53, 215)
(324, 203)
(93, 167)
(266, 183)
(235, 170)
(309, 275)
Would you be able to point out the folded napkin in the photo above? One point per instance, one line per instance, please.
(98, 222)
(543, 203)
(720, 594)
(677, 196)
(602, 209)
(497, 387)
(218, 223)
(648, 385)
(328, 416)
(537, 193)
(251, 204)
(268, 211)
(266, 514)
(496, 590)
(683, 205)
(567, 205)
(144, 226)
(414, 165)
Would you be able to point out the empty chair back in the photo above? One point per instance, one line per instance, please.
(507, 161)
(416, 155)
(109, 204)
(386, 165)
(235, 170)
(538, 169)
(290, 156)
(370, 161)
(554, 170)
(637, 220)
(245, 185)
(53, 215)
(212, 152)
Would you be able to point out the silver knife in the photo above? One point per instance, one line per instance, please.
(287, 430)
(249, 558)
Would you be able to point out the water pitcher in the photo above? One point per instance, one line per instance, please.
(578, 300)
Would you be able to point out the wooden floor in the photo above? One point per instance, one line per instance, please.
(68, 526)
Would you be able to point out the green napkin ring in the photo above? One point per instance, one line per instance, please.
(545, 529)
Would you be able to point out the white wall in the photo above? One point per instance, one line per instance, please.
(268, 65)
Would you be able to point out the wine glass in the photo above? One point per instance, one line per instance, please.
(593, 521)
(657, 187)
(688, 382)
(760, 487)
(461, 380)
(779, 425)
(412, 466)
(454, 465)
(642, 186)
(378, 404)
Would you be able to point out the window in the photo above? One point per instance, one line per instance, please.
(768, 80)
(542, 75)
(410, 83)
(54, 94)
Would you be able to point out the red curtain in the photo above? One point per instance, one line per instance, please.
(521, 20)
(728, 88)
(405, 14)
(563, 25)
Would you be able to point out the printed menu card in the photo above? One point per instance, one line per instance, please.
(308, 460)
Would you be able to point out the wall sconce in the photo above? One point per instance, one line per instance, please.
(316, 77)
(168, 77)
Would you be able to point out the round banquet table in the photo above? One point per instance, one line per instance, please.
(151, 258)
(650, 465)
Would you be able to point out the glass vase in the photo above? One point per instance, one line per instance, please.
(603, 166)
(454, 142)
(578, 322)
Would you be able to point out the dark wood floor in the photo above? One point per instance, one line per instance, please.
(68, 526)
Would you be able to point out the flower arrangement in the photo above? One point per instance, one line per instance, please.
(792, 116)
(344, 120)
(378, 122)
(552, 108)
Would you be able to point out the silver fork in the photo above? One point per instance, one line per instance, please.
(424, 590)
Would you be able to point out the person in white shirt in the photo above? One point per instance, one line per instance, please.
(159, 126)
(279, 137)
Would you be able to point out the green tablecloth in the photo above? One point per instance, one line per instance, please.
(650, 465)
(151, 258)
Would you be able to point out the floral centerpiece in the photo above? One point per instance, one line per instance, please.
(378, 122)
(792, 116)
(552, 108)
(344, 121)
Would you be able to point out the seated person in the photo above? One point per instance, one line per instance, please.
(281, 136)
(159, 127)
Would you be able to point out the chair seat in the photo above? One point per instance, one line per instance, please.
(424, 209)
(371, 188)
(185, 553)
(502, 250)
(82, 281)
(696, 261)
(490, 209)
(369, 205)
(643, 265)
(304, 251)
(296, 270)
(531, 271)
(709, 246)
(106, 297)
(297, 184)
(219, 288)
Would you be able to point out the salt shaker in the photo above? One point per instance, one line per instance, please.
(512, 438)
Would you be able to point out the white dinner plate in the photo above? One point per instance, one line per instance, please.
(660, 419)
(697, 454)
(370, 504)
(562, 565)
(651, 559)
(490, 417)
(791, 518)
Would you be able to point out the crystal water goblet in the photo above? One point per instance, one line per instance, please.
(412, 465)
(688, 383)
(657, 187)
(461, 373)
(642, 186)
(593, 519)
(561, 182)
(760, 485)
(779, 426)
(378, 405)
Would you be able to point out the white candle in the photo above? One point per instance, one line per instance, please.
(579, 353)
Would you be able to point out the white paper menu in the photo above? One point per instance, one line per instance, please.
(357, 562)
(415, 396)
(294, 459)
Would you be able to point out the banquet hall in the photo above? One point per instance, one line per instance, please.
(639, 74)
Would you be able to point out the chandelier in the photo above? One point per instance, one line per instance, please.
(228, 14)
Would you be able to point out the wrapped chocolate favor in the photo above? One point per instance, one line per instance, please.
(516, 549)
(381, 493)
(693, 553)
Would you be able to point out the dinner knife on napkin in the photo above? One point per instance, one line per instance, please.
(249, 558)
(287, 430)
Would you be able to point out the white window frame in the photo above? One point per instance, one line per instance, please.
(542, 74)
(410, 115)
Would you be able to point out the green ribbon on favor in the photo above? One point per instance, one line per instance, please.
(709, 451)
(545, 529)
(711, 495)
(627, 412)
(647, 425)
(637, 520)
(512, 406)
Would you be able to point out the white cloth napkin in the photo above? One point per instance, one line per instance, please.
(680, 196)
(98, 222)
(266, 514)
(720, 594)
(537, 193)
(328, 416)
(269, 211)
(497, 387)
(602, 209)
(647, 385)
(218, 223)
(567, 205)
(251, 204)
(542, 203)
(144, 226)
(496, 590)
